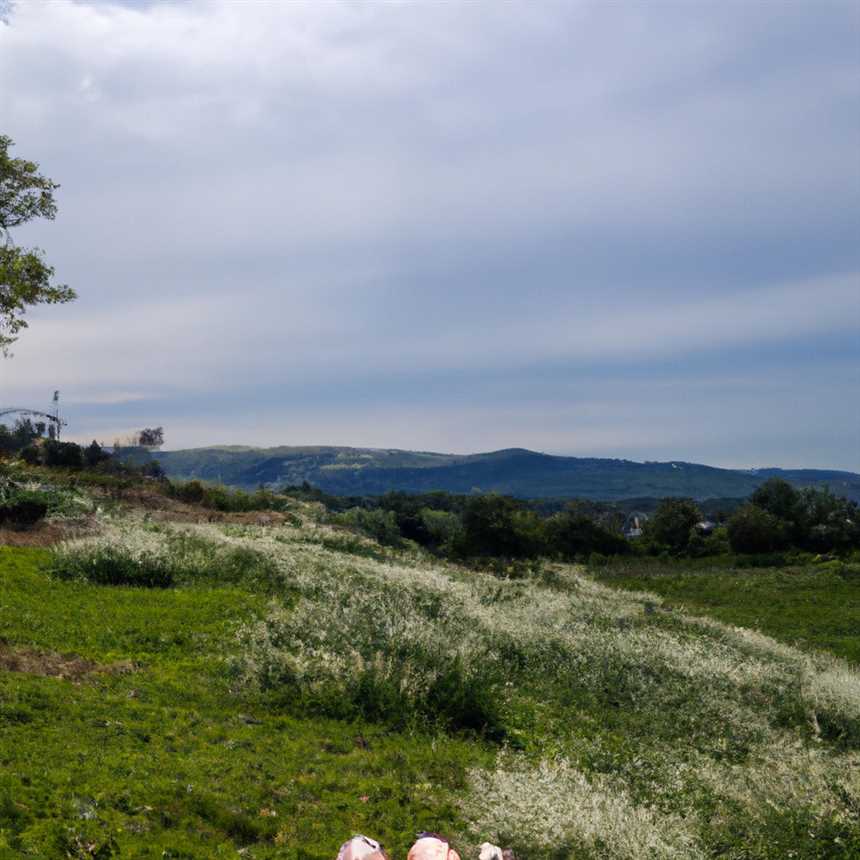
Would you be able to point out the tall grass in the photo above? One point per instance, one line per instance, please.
(641, 731)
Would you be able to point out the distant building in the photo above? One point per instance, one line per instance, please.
(634, 523)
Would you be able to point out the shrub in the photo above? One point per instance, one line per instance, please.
(753, 530)
(190, 491)
(196, 561)
(778, 498)
(94, 454)
(112, 566)
(24, 509)
(571, 535)
(30, 455)
(500, 526)
(672, 523)
(443, 529)
(377, 524)
(65, 455)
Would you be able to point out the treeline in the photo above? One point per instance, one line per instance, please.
(776, 518)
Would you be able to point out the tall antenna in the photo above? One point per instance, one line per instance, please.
(56, 413)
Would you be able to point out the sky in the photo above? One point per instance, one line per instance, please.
(598, 229)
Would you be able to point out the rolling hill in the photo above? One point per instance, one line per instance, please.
(513, 471)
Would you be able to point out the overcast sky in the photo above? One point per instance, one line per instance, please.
(627, 229)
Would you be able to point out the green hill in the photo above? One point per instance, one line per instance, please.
(266, 686)
(513, 471)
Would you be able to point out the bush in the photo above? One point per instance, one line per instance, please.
(64, 455)
(377, 524)
(500, 526)
(111, 566)
(778, 498)
(753, 530)
(30, 455)
(571, 535)
(190, 491)
(672, 524)
(24, 509)
(443, 529)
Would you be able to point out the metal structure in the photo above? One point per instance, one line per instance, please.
(53, 417)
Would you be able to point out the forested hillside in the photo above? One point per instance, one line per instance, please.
(514, 471)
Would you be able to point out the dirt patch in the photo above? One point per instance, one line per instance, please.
(48, 532)
(52, 665)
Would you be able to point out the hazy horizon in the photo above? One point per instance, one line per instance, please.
(620, 230)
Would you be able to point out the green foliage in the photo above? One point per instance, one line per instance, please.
(442, 528)
(110, 566)
(23, 508)
(22, 505)
(377, 524)
(220, 498)
(94, 454)
(572, 535)
(778, 498)
(672, 524)
(23, 434)
(25, 277)
(63, 455)
(813, 519)
(499, 526)
(185, 560)
(752, 530)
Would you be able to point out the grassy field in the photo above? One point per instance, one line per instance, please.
(293, 684)
(813, 606)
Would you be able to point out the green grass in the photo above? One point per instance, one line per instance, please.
(165, 761)
(812, 606)
(223, 735)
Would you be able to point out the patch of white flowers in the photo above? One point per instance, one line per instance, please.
(554, 804)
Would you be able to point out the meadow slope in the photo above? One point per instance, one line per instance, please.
(289, 683)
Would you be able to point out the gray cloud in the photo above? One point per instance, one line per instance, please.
(303, 198)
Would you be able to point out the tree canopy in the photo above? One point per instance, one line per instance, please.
(25, 277)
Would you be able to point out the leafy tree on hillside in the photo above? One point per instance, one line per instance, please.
(498, 526)
(827, 522)
(571, 534)
(753, 529)
(777, 497)
(672, 523)
(25, 277)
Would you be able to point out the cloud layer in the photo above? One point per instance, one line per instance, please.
(619, 229)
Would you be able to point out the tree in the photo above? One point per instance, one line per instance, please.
(151, 437)
(25, 277)
(499, 526)
(777, 497)
(672, 523)
(571, 534)
(753, 529)
(93, 454)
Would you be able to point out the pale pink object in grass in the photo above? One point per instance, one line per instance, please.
(361, 848)
(432, 848)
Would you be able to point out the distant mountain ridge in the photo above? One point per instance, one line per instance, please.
(513, 471)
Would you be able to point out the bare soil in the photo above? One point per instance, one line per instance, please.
(52, 665)
(47, 533)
